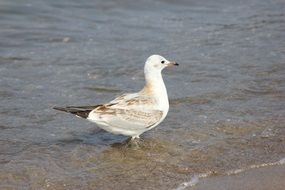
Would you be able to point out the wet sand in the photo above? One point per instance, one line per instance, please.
(267, 178)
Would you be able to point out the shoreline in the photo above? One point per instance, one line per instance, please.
(264, 178)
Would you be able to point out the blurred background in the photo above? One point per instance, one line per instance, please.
(227, 97)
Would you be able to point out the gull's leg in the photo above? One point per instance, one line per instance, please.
(136, 142)
(135, 137)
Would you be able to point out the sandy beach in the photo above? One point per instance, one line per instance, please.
(266, 178)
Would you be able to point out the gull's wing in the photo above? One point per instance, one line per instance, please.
(83, 111)
(128, 111)
(133, 101)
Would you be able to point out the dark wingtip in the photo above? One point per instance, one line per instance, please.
(82, 112)
(59, 108)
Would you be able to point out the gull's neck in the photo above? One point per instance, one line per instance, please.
(154, 86)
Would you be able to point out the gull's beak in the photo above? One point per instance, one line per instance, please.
(172, 63)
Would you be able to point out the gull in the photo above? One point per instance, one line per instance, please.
(132, 114)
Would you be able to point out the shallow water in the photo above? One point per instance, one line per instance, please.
(227, 97)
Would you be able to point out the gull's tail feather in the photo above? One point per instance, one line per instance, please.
(80, 111)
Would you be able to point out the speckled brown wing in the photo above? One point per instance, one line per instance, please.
(129, 113)
(134, 101)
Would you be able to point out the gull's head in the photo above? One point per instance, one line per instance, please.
(157, 63)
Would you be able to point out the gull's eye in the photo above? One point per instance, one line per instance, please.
(162, 62)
